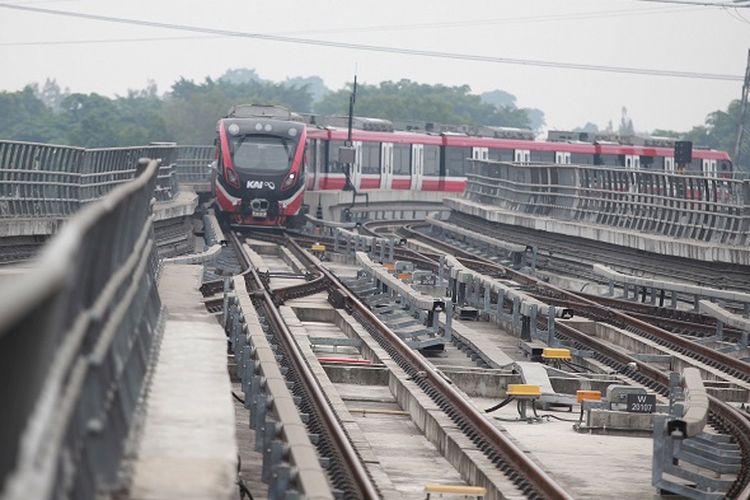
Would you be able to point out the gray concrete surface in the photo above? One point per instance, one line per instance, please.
(187, 449)
(588, 466)
(386, 201)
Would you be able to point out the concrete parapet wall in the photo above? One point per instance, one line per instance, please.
(663, 245)
(333, 203)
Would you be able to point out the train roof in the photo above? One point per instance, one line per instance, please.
(398, 137)
(269, 111)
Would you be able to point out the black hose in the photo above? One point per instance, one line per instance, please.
(237, 398)
(499, 405)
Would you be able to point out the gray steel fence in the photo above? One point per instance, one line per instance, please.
(192, 163)
(76, 331)
(43, 180)
(710, 209)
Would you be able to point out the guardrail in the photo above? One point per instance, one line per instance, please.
(44, 180)
(273, 414)
(687, 461)
(470, 288)
(710, 209)
(192, 163)
(76, 331)
(659, 287)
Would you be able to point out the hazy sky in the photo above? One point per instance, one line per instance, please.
(594, 32)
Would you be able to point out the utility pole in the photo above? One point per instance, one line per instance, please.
(743, 113)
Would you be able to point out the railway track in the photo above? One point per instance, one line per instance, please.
(346, 471)
(722, 416)
(530, 479)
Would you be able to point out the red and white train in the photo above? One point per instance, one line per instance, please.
(438, 162)
(267, 156)
(259, 167)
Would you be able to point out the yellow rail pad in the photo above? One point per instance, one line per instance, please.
(524, 390)
(556, 353)
(456, 489)
(588, 396)
(390, 266)
(318, 248)
(404, 276)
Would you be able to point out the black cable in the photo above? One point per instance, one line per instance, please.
(238, 398)
(380, 48)
(380, 28)
(244, 491)
(549, 415)
(499, 405)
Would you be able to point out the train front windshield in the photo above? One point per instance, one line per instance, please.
(265, 153)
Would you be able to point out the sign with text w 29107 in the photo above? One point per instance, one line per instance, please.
(641, 403)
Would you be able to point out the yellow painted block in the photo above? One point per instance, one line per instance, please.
(524, 390)
(588, 396)
(390, 266)
(318, 248)
(556, 353)
(456, 489)
(404, 276)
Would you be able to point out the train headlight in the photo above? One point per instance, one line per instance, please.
(234, 129)
(233, 178)
(289, 181)
(292, 132)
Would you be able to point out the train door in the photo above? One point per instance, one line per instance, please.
(480, 153)
(632, 162)
(417, 166)
(709, 167)
(522, 156)
(562, 158)
(356, 172)
(386, 165)
(669, 164)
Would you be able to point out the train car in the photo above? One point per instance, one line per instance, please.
(438, 159)
(383, 160)
(260, 175)
(707, 162)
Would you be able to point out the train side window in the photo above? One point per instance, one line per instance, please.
(541, 156)
(371, 158)
(500, 154)
(431, 160)
(333, 165)
(402, 159)
(456, 160)
(581, 159)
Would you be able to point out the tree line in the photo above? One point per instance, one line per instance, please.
(188, 111)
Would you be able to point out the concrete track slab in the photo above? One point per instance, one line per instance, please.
(588, 466)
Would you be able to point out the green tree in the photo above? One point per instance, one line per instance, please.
(407, 100)
(24, 117)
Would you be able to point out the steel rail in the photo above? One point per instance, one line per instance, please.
(349, 459)
(539, 480)
(693, 349)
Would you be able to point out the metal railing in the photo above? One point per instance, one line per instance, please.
(43, 180)
(709, 209)
(192, 163)
(76, 331)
